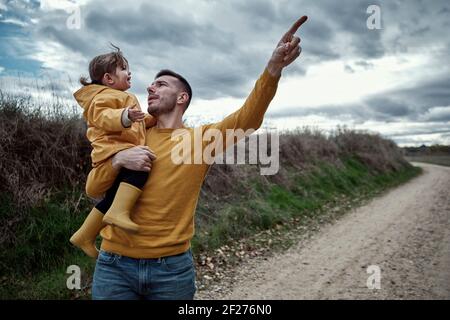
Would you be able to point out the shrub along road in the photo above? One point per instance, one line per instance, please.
(404, 234)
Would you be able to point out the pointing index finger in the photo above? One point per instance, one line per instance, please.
(297, 25)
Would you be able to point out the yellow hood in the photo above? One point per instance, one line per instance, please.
(86, 94)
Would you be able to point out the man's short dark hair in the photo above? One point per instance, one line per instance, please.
(185, 84)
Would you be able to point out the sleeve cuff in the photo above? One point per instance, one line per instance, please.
(270, 79)
(108, 164)
(126, 123)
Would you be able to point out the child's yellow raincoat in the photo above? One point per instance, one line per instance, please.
(103, 108)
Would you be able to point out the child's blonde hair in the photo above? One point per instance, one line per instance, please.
(104, 63)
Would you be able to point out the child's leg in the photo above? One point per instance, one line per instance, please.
(100, 179)
(122, 202)
(85, 237)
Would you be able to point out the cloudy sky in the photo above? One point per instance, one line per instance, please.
(394, 80)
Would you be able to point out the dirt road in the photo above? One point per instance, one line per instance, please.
(405, 235)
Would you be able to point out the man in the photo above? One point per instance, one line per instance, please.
(156, 263)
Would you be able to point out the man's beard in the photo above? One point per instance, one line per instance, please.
(158, 110)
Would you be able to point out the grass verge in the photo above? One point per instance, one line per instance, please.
(38, 268)
(309, 195)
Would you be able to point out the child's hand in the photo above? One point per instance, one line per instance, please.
(135, 114)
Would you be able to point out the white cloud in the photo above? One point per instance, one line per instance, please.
(55, 56)
(15, 22)
(437, 114)
(329, 84)
(3, 6)
(50, 5)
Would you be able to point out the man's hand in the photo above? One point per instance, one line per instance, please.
(287, 50)
(138, 158)
(135, 114)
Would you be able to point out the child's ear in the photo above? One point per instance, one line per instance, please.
(107, 79)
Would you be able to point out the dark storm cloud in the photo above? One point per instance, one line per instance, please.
(350, 17)
(437, 114)
(221, 59)
(153, 25)
(157, 37)
(222, 46)
(349, 69)
(70, 39)
(364, 64)
(218, 52)
(421, 134)
(388, 107)
(262, 13)
(412, 103)
(376, 110)
(421, 131)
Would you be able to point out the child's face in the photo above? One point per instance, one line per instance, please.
(121, 80)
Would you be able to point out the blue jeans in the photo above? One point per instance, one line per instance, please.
(121, 278)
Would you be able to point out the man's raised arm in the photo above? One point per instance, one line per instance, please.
(251, 114)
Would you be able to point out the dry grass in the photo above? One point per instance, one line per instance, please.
(40, 153)
(303, 150)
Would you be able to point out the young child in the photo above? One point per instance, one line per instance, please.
(115, 122)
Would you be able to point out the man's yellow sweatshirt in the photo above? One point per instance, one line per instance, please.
(165, 210)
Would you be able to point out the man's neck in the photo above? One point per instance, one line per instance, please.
(169, 121)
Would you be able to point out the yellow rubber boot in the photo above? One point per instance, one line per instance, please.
(85, 237)
(119, 212)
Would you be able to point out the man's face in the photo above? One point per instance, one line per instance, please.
(162, 95)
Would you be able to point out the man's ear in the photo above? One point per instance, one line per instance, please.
(183, 97)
